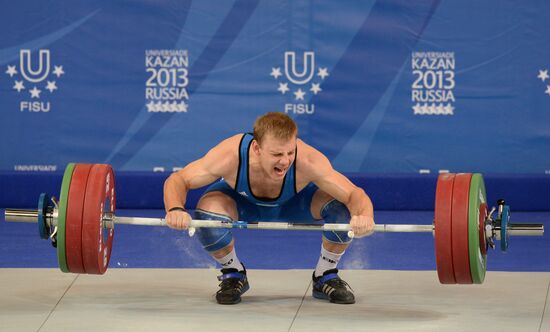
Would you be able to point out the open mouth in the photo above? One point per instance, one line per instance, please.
(279, 171)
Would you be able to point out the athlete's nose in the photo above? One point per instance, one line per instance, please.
(285, 161)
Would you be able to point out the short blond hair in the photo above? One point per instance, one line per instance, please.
(280, 125)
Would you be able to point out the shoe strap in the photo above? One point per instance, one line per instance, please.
(230, 275)
(328, 277)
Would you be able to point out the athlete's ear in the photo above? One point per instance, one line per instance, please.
(255, 147)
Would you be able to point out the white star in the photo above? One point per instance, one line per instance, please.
(430, 109)
(182, 107)
(150, 106)
(51, 86)
(299, 94)
(174, 106)
(11, 71)
(158, 106)
(543, 75)
(166, 107)
(323, 72)
(440, 109)
(35, 93)
(283, 88)
(449, 109)
(425, 108)
(58, 71)
(315, 88)
(547, 90)
(417, 109)
(19, 86)
(276, 72)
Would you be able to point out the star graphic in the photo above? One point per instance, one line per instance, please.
(315, 88)
(440, 109)
(58, 71)
(417, 108)
(150, 106)
(323, 72)
(19, 86)
(543, 75)
(430, 109)
(182, 107)
(276, 72)
(174, 106)
(11, 71)
(449, 109)
(299, 94)
(425, 108)
(283, 88)
(547, 90)
(51, 86)
(35, 93)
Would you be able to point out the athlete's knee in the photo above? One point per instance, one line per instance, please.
(213, 239)
(335, 212)
(218, 202)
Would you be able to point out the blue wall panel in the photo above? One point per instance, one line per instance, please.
(388, 86)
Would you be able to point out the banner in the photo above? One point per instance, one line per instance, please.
(388, 86)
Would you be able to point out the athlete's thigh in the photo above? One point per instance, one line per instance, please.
(218, 202)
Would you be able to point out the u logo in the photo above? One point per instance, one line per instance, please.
(307, 71)
(27, 69)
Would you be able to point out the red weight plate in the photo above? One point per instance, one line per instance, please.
(73, 222)
(96, 240)
(460, 208)
(483, 245)
(443, 241)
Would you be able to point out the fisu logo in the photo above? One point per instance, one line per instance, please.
(304, 79)
(308, 67)
(34, 71)
(27, 69)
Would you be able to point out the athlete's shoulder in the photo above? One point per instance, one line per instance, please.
(230, 144)
(309, 160)
(308, 153)
(224, 156)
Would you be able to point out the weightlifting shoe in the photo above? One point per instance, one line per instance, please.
(233, 284)
(330, 287)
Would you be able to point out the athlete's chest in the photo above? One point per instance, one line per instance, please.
(260, 186)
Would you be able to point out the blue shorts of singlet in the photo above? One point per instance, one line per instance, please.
(296, 209)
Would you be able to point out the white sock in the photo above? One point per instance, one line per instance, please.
(327, 261)
(230, 261)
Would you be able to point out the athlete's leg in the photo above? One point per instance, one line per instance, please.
(219, 242)
(324, 206)
(327, 283)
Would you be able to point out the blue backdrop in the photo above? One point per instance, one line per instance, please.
(378, 86)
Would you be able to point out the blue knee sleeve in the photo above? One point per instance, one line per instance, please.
(334, 212)
(213, 239)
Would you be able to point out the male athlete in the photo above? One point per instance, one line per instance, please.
(270, 175)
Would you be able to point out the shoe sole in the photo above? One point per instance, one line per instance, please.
(238, 300)
(323, 296)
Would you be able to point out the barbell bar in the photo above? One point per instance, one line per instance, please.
(81, 225)
(31, 216)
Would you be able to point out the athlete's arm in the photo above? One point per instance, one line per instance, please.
(321, 172)
(220, 161)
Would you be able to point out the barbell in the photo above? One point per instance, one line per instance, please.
(81, 223)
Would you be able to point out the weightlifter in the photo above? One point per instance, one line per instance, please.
(270, 175)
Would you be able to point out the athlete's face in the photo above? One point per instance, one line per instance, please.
(276, 156)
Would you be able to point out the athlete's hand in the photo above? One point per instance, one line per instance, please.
(362, 226)
(178, 219)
